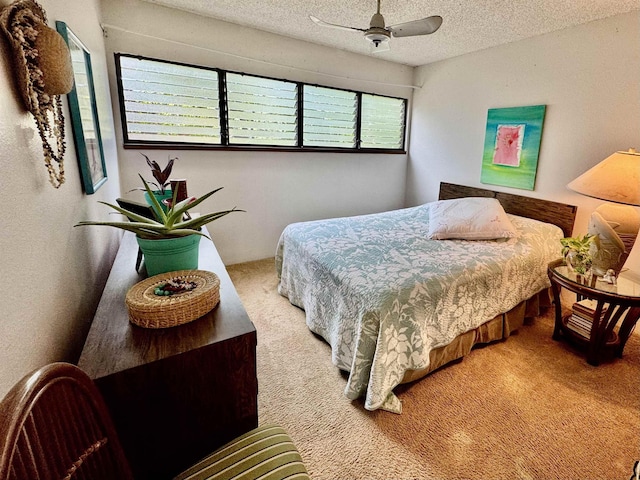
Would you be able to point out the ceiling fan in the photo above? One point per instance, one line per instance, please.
(378, 34)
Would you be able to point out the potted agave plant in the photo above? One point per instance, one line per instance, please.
(169, 242)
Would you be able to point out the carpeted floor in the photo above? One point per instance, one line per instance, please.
(525, 408)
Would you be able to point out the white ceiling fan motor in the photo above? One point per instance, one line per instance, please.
(377, 33)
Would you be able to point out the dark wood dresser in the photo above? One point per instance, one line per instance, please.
(175, 394)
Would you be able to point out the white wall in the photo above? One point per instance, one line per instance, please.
(589, 78)
(275, 188)
(52, 274)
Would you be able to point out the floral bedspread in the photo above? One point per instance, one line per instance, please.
(383, 295)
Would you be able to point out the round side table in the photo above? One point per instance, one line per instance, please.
(614, 304)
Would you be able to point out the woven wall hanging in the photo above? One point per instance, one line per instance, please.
(43, 72)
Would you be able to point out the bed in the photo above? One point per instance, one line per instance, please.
(395, 305)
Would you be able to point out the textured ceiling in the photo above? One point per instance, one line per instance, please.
(469, 25)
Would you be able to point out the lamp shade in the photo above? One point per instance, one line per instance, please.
(615, 179)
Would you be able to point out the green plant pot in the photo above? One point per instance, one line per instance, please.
(167, 255)
(160, 197)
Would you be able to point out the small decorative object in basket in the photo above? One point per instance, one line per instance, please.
(172, 298)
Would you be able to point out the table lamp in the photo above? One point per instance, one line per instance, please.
(615, 226)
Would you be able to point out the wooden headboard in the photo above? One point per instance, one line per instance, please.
(559, 214)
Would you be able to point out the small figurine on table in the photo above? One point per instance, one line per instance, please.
(610, 277)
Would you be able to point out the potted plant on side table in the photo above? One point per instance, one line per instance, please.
(168, 242)
(577, 254)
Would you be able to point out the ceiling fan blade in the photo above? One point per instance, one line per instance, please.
(322, 23)
(424, 26)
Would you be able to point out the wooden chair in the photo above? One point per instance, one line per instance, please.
(54, 424)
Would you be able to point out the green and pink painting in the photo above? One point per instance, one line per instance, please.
(512, 146)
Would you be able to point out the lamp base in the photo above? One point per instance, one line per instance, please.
(616, 228)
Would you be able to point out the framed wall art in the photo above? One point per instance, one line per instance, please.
(512, 145)
(84, 114)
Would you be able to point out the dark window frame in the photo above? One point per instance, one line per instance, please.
(224, 125)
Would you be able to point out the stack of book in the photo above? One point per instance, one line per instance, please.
(582, 315)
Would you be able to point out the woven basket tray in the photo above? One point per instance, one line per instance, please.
(148, 310)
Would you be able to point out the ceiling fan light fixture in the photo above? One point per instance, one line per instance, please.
(377, 36)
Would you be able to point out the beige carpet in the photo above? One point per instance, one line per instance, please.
(525, 408)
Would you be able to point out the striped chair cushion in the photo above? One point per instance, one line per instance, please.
(266, 453)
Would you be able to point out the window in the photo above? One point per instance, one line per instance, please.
(383, 121)
(329, 117)
(167, 103)
(262, 111)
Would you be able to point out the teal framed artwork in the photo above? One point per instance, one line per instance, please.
(512, 146)
(84, 114)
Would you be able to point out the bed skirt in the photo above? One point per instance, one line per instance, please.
(498, 328)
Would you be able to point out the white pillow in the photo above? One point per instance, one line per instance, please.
(471, 218)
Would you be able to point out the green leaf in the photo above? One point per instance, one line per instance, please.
(196, 223)
(131, 215)
(154, 201)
